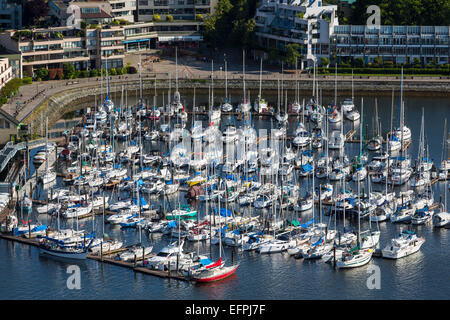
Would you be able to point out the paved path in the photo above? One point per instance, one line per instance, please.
(30, 96)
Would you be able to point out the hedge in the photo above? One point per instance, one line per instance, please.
(11, 88)
(413, 71)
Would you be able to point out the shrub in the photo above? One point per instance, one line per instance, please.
(41, 73)
(94, 73)
(84, 74)
(324, 61)
(3, 100)
(113, 71)
(11, 87)
(358, 62)
(169, 18)
(27, 80)
(416, 62)
(156, 17)
(69, 71)
(131, 70)
(199, 17)
(119, 71)
(397, 71)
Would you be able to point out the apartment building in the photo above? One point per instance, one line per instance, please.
(179, 9)
(151, 35)
(399, 44)
(88, 48)
(10, 15)
(5, 71)
(124, 9)
(307, 23)
(51, 48)
(91, 12)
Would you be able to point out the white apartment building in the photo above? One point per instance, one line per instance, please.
(305, 22)
(5, 71)
(123, 9)
(179, 9)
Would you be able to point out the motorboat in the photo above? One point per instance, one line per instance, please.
(405, 244)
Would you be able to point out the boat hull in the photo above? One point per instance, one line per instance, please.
(225, 273)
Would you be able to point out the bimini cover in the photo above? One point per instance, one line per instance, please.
(307, 224)
(143, 202)
(318, 242)
(172, 224)
(205, 262)
(224, 212)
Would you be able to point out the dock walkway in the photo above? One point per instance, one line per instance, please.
(108, 257)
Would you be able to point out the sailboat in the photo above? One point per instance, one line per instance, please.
(376, 142)
(348, 107)
(176, 106)
(402, 130)
(442, 219)
(209, 271)
(244, 106)
(444, 167)
(422, 175)
(358, 256)
(260, 104)
(296, 106)
(226, 107)
(59, 248)
(49, 175)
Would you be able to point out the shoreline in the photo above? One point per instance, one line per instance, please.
(61, 96)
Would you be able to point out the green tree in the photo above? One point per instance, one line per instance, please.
(378, 61)
(325, 61)
(292, 54)
(199, 17)
(358, 62)
(169, 18)
(113, 71)
(156, 17)
(93, 73)
(274, 55)
(69, 71)
(42, 73)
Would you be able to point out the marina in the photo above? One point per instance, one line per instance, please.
(294, 200)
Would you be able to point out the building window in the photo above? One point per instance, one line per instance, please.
(4, 124)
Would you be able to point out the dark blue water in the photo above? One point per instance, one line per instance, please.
(26, 275)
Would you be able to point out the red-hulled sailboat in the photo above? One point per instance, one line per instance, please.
(209, 271)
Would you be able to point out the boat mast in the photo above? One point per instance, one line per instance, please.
(359, 179)
(212, 83)
(226, 82)
(176, 69)
(260, 80)
(335, 84)
(140, 80)
(243, 72)
(352, 88)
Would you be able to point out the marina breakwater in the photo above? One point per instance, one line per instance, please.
(81, 94)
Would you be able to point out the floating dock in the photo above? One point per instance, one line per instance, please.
(107, 258)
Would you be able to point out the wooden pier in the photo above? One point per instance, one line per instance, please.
(107, 258)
